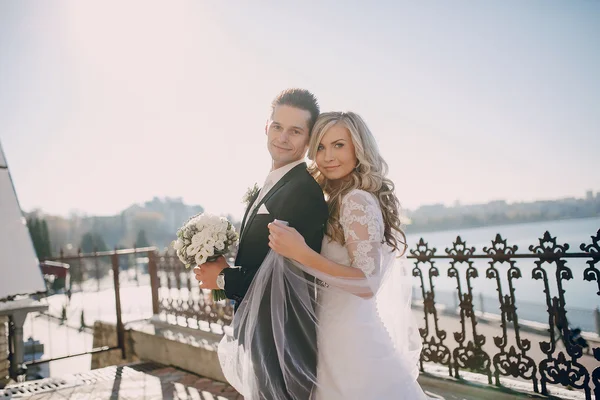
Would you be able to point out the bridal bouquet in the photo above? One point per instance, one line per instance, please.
(203, 238)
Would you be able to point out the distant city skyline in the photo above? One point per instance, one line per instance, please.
(588, 195)
(107, 104)
(160, 218)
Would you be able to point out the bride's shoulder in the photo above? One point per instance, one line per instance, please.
(359, 196)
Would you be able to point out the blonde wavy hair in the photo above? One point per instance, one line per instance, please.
(369, 175)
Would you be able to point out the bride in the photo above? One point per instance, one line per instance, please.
(357, 291)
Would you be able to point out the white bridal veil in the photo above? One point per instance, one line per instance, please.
(270, 350)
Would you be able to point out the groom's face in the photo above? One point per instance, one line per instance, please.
(287, 135)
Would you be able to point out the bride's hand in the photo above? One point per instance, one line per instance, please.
(286, 241)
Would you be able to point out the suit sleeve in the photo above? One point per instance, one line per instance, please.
(234, 277)
(235, 283)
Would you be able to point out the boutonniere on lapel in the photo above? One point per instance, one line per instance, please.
(251, 194)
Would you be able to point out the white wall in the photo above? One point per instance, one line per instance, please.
(2, 160)
(19, 269)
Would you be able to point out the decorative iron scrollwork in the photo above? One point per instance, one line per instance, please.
(560, 362)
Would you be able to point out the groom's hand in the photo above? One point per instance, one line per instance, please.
(208, 272)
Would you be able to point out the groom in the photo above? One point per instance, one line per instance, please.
(290, 194)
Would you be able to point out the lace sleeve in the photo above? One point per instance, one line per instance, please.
(362, 222)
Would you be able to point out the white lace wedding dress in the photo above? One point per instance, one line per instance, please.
(360, 332)
(360, 356)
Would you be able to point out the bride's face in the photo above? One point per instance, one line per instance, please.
(336, 157)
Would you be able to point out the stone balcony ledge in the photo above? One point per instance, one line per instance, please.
(194, 350)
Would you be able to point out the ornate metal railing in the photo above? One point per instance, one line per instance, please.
(177, 298)
(559, 354)
(549, 349)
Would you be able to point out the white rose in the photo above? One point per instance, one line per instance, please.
(204, 252)
(192, 250)
(200, 259)
(199, 238)
(178, 244)
(195, 246)
(205, 238)
(219, 245)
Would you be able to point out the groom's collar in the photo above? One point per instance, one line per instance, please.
(266, 192)
(276, 175)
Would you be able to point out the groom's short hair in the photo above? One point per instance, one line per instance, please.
(298, 98)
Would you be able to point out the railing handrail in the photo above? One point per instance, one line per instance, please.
(544, 256)
(132, 250)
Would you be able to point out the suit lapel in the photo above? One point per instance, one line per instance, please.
(250, 203)
(285, 179)
(271, 192)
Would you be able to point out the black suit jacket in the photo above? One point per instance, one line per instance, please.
(297, 199)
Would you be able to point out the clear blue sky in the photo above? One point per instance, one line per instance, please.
(104, 104)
